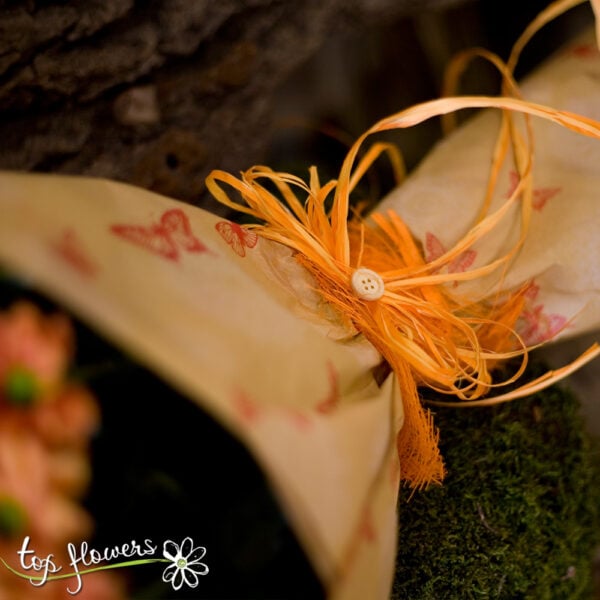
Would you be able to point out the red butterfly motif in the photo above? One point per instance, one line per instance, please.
(532, 291)
(585, 51)
(534, 325)
(237, 236)
(540, 195)
(165, 238)
(248, 410)
(434, 249)
(70, 248)
(251, 412)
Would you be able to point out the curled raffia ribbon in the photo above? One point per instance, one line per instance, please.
(429, 332)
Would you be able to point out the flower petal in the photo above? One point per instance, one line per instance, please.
(197, 554)
(198, 567)
(178, 579)
(171, 551)
(190, 577)
(187, 547)
(169, 573)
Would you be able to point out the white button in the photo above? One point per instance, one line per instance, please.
(367, 284)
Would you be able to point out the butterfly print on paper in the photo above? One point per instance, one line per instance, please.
(540, 195)
(167, 238)
(246, 408)
(238, 237)
(584, 51)
(70, 249)
(434, 249)
(537, 326)
(534, 325)
(250, 412)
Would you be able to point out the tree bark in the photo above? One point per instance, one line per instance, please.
(155, 93)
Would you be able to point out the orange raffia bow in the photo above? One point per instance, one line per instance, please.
(429, 333)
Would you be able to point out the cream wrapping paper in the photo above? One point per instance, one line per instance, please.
(232, 321)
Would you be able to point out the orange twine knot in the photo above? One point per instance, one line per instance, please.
(375, 274)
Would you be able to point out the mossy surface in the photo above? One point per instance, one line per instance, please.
(518, 515)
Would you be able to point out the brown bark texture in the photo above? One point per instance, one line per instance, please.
(157, 92)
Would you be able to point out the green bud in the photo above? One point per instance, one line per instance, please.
(13, 518)
(21, 387)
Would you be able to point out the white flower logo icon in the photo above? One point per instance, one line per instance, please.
(186, 563)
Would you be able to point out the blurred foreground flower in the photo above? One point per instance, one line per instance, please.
(45, 425)
(34, 352)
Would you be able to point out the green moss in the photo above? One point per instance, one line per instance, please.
(519, 513)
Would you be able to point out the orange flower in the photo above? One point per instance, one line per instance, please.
(45, 426)
(34, 352)
(68, 418)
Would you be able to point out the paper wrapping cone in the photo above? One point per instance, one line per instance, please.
(160, 280)
(232, 321)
